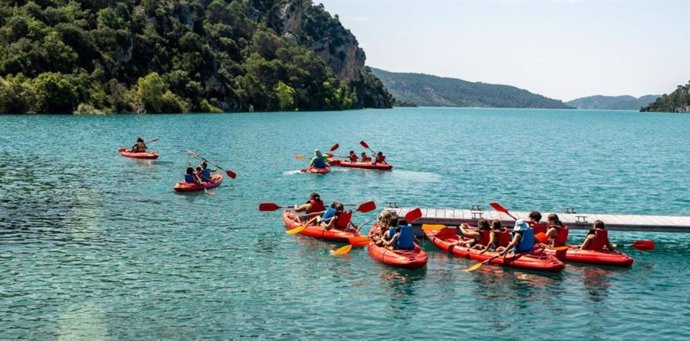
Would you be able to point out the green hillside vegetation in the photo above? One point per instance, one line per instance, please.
(135, 56)
(428, 90)
(677, 101)
(612, 102)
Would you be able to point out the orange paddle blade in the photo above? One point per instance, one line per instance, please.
(413, 215)
(296, 230)
(644, 245)
(359, 241)
(299, 157)
(474, 267)
(432, 227)
(367, 207)
(342, 250)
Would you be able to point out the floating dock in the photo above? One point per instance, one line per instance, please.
(572, 219)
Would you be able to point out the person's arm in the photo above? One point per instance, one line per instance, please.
(303, 207)
(391, 242)
(492, 237)
(610, 247)
(587, 241)
(512, 244)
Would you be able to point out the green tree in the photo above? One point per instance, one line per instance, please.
(286, 96)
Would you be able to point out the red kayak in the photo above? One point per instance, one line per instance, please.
(535, 260)
(146, 155)
(363, 165)
(292, 220)
(313, 170)
(408, 259)
(575, 254)
(216, 180)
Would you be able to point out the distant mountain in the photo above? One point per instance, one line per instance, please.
(433, 91)
(612, 102)
(677, 101)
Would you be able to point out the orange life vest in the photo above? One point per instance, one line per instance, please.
(315, 206)
(343, 219)
(601, 238)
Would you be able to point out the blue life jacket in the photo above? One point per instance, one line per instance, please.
(319, 163)
(328, 215)
(405, 239)
(189, 178)
(526, 241)
(391, 233)
(205, 174)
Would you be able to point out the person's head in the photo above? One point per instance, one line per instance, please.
(520, 225)
(198, 169)
(317, 152)
(339, 207)
(139, 139)
(401, 223)
(598, 224)
(496, 225)
(535, 216)
(334, 204)
(352, 152)
(190, 170)
(552, 219)
(204, 165)
(385, 216)
(314, 196)
(379, 154)
(483, 224)
(364, 154)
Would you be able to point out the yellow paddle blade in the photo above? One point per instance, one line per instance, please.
(559, 248)
(432, 227)
(474, 267)
(299, 157)
(296, 230)
(342, 250)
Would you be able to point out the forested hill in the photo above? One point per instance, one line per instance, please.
(428, 90)
(612, 102)
(62, 56)
(677, 101)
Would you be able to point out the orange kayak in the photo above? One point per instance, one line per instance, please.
(182, 186)
(292, 220)
(146, 155)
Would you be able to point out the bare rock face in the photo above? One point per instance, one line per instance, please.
(314, 28)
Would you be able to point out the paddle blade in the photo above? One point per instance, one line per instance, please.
(296, 230)
(341, 251)
(541, 237)
(364, 144)
(334, 147)
(268, 207)
(559, 248)
(230, 173)
(367, 207)
(644, 245)
(413, 215)
(432, 227)
(359, 241)
(498, 207)
(474, 267)
(299, 157)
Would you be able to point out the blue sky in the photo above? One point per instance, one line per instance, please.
(562, 49)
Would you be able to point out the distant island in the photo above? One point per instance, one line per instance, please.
(677, 101)
(612, 102)
(429, 90)
(143, 56)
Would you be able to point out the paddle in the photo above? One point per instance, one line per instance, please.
(200, 182)
(479, 265)
(230, 173)
(500, 208)
(365, 145)
(333, 148)
(643, 245)
(411, 216)
(296, 230)
(341, 250)
(432, 227)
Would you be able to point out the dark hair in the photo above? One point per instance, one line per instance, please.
(598, 224)
(555, 219)
(394, 221)
(139, 139)
(339, 207)
(190, 170)
(352, 152)
(534, 215)
(402, 222)
(483, 224)
(496, 225)
(334, 204)
(204, 165)
(314, 195)
(198, 169)
(379, 153)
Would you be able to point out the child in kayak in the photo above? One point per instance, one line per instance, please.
(473, 235)
(365, 157)
(190, 177)
(318, 161)
(204, 173)
(337, 217)
(597, 238)
(139, 146)
(523, 239)
(313, 205)
(493, 242)
(380, 158)
(352, 156)
(403, 236)
(386, 219)
(557, 233)
(535, 222)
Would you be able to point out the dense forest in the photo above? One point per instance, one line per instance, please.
(612, 102)
(677, 101)
(428, 90)
(137, 56)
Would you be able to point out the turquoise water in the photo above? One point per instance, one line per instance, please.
(98, 246)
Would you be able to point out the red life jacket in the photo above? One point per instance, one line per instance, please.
(537, 227)
(353, 158)
(562, 236)
(503, 237)
(343, 219)
(316, 206)
(601, 238)
(484, 237)
(380, 159)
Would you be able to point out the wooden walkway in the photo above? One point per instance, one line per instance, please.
(620, 222)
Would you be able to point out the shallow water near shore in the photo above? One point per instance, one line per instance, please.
(97, 246)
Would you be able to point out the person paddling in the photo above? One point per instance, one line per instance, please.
(403, 237)
(494, 240)
(365, 157)
(523, 239)
(386, 219)
(380, 158)
(313, 205)
(556, 233)
(475, 237)
(352, 156)
(597, 238)
(190, 177)
(318, 161)
(205, 173)
(139, 146)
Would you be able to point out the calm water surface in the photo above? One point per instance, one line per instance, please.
(96, 246)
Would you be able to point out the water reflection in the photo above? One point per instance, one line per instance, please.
(400, 286)
(596, 281)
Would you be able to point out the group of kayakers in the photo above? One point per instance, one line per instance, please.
(393, 232)
(364, 158)
(199, 175)
(320, 161)
(526, 234)
(335, 216)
